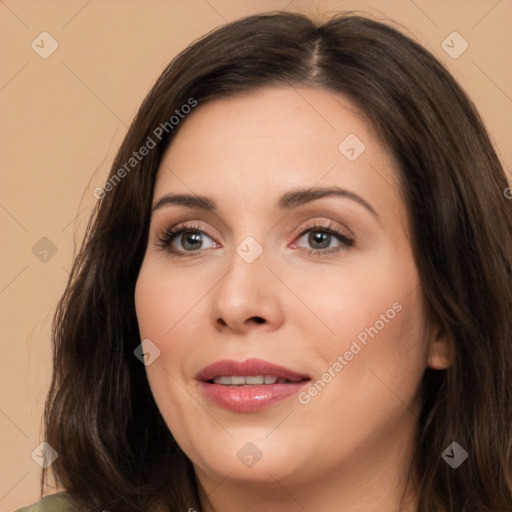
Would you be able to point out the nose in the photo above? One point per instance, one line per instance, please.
(247, 298)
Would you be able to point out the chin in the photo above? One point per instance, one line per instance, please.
(248, 458)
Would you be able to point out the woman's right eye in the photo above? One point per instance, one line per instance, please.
(185, 239)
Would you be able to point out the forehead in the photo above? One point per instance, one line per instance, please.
(259, 144)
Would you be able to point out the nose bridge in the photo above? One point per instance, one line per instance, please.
(250, 250)
(248, 272)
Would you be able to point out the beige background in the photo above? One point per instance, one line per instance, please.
(63, 117)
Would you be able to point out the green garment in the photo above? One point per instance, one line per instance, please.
(54, 503)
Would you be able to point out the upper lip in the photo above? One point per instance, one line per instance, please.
(249, 367)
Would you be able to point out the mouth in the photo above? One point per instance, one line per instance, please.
(250, 385)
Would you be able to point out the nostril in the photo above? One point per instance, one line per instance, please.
(256, 319)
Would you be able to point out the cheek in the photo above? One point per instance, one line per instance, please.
(371, 377)
(172, 312)
(379, 351)
(160, 306)
(163, 301)
(375, 360)
(377, 299)
(163, 312)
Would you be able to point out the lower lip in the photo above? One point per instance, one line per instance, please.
(250, 398)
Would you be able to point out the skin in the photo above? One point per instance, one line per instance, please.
(348, 448)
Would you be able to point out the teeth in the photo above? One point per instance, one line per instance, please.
(258, 379)
(236, 380)
(226, 381)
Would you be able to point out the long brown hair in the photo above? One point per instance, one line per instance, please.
(115, 451)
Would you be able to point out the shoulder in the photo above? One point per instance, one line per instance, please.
(59, 502)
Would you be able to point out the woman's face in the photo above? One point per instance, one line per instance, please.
(296, 256)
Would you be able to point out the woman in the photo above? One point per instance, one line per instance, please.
(294, 293)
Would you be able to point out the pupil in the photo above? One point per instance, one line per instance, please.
(191, 239)
(321, 238)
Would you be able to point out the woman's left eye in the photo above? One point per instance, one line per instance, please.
(320, 240)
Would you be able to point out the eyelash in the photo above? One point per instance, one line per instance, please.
(166, 237)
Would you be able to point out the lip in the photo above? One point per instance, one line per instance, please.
(249, 398)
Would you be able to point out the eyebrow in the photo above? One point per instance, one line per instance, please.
(288, 201)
